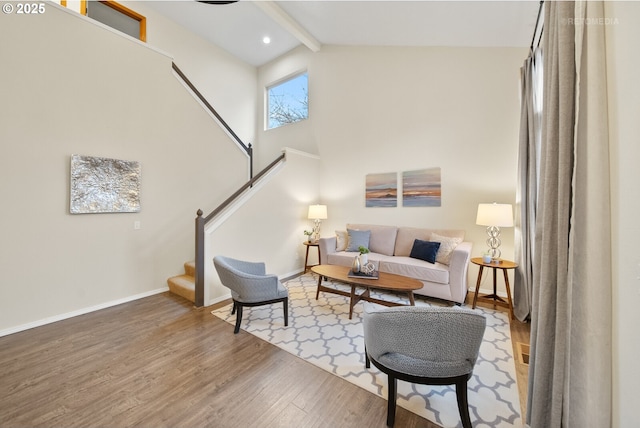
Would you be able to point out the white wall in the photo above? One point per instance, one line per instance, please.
(72, 87)
(385, 109)
(623, 69)
(226, 82)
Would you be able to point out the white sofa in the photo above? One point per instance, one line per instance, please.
(391, 246)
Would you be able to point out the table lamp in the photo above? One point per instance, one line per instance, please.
(494, 216)
(317, 213)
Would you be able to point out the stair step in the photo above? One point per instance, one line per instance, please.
(183, 285)
(190, 268)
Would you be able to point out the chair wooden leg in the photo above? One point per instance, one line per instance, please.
(233, 310)
(367, 361)
(391, 400)
(238, 318)
(463, 404)
(286, 309)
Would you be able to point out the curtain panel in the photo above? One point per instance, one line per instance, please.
(527, 181)
(570, 366)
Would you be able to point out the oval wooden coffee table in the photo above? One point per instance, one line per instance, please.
(385, 281)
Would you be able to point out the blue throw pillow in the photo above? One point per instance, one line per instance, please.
(425, 250)
(357, 238)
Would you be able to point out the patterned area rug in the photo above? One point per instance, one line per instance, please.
(321, 333)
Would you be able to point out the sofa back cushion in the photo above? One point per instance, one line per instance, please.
(407, 235)
(382, 239)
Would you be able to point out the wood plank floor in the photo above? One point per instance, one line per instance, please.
(160, 362)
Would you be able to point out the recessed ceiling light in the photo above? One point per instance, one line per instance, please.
(266, 40)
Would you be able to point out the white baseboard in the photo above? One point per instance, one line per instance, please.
(219, 299)
(291, 274)
(82, 311)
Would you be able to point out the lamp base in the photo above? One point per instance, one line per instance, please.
(316, 230)
(493, 242)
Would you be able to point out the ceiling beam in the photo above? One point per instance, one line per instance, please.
(283, 19)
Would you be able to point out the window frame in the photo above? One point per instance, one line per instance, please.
(290, 77)
(142, 20)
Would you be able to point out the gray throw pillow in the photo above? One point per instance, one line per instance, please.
(357, 238)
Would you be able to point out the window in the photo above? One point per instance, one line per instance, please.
(288, 101)
(119, 17)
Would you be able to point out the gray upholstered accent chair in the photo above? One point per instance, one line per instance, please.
(425, 345)
(250, 286)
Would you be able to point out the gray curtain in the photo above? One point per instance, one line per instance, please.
(528, 177)
(570, 366)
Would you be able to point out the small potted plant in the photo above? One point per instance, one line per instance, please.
(308, 234)
(364, 251)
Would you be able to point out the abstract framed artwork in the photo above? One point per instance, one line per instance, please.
(422, 188)
(381, 190)
(103, 185)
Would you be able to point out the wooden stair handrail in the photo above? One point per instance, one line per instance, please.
(209, 106)
(202, 221)
(247, 147)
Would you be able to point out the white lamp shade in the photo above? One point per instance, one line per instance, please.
(500, 215)
(317, 212)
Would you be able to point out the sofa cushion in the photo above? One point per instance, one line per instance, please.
(343, 258)
(414, 268)
(424, 250)
(382, 239)
(447, 245)
(406, 237)
(357, 238)
(341, 240)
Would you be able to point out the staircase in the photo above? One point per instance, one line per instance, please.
(185, 285)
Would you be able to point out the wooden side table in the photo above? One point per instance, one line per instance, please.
(306, 256)
(504, 265)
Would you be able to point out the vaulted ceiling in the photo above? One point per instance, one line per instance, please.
(240, 27)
